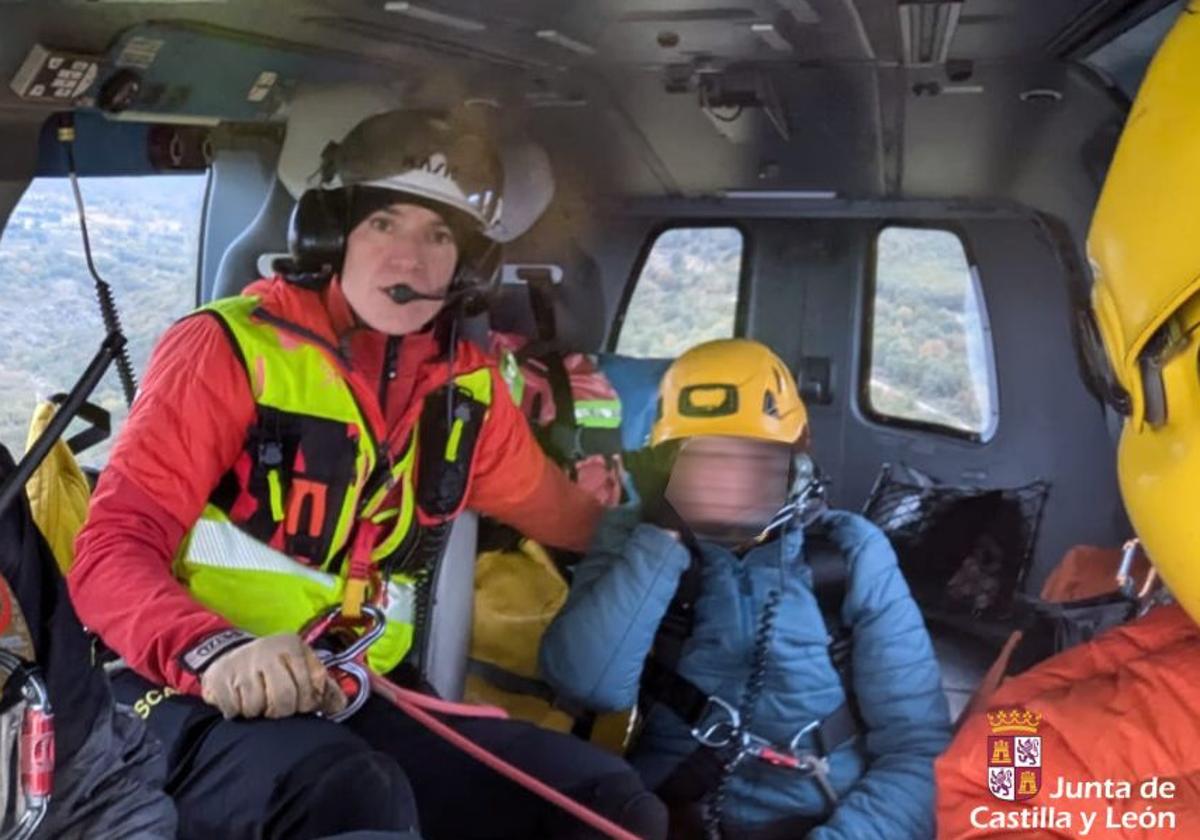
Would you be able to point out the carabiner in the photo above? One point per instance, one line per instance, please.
(731, 728)
(374, 621)
(347, 665)
(1124, 574)
(794, 744)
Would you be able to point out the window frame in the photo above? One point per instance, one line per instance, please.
(654, 233)
(202, 234)
(123, 309)
(867, 345)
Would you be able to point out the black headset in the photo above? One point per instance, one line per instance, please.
(317, 234)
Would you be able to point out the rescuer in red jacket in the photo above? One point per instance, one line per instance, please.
(1100, 741)
(300, 449)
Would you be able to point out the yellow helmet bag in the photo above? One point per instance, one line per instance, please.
(58, 491)
(517, 594)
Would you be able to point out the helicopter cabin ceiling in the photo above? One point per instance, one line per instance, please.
(658, 97)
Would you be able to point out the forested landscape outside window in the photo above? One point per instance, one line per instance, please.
(687, 292)
(145, 235)
(930, 344)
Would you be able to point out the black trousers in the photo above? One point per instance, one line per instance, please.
(304, 777)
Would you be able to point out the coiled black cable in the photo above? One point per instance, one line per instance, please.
(755, 684)
(108, 306)
(423, 570)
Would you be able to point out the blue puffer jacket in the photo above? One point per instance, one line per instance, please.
(594, 651)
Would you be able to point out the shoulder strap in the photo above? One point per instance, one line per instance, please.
(660, 680)
(830, 577)
(567, 440)
(540, 285)
(562, 435)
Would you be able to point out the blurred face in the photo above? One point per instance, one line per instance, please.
(403, 244)
(729, 488)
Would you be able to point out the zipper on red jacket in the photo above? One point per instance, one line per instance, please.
(390, 351)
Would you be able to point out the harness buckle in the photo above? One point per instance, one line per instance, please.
(817, 767)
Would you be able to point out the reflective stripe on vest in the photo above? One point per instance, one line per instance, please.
(598, 414)
(263, 590)
(510, 372)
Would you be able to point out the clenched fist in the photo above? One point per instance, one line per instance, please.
(274, 677)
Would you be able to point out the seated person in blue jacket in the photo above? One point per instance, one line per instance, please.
(784, 678)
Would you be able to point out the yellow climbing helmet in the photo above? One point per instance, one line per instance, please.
(1144, 247)
(733, 387)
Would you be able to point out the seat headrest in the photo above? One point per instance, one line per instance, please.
(578, 297)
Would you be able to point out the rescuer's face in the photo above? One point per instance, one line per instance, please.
(402, 244)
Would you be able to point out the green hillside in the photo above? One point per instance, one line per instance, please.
(928, 362)
(144, 234)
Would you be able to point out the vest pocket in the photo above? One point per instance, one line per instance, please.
(292, 478)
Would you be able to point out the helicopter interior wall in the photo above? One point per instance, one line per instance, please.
(667, 144)
(1125, 58)
(1039, 134)
(811, 285)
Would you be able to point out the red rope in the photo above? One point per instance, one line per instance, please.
(413, 704)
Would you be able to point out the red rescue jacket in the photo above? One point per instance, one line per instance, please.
(188, 425)
(1124, 707)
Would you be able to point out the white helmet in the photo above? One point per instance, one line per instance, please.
(426, 157)
(318, 114)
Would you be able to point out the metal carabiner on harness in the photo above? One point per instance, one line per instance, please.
(347, 663)
(1124, 576)
(722, 732)
(1148, 596)
(811, 763)
(36, 751)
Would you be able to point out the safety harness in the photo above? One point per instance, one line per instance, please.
(724, 730)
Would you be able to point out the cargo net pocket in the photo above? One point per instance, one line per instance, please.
(963, 550)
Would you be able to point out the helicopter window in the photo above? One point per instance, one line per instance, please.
(930, 349)
(144, 232)
(686, 292)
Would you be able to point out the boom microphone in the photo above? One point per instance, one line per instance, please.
(403, 293)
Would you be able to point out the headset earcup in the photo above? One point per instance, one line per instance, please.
(800, 474)
(316, 235)
(478, 277)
